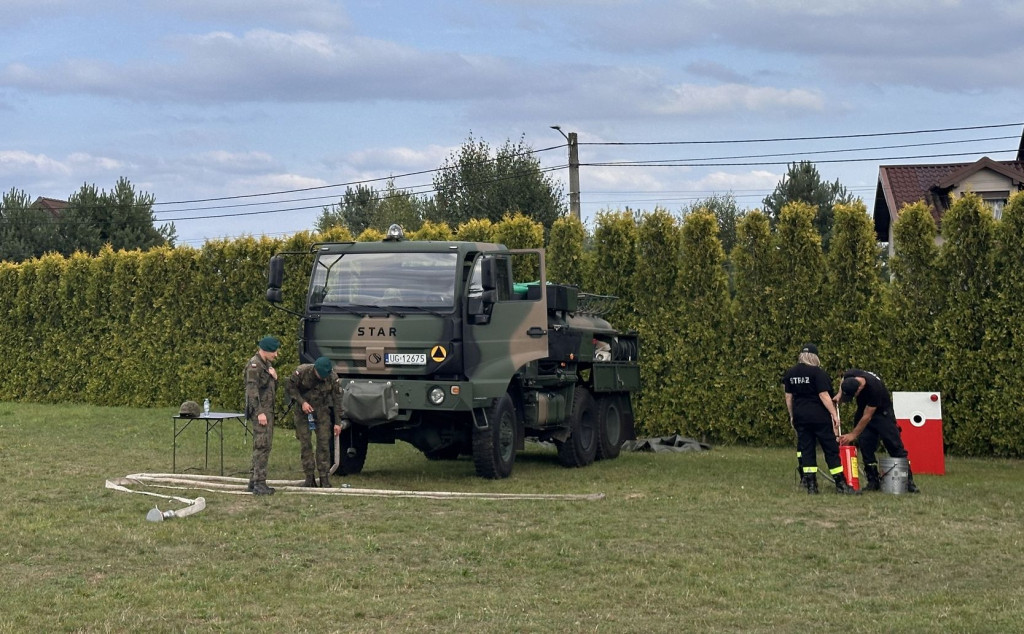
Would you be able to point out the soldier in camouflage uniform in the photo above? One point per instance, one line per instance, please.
(260, 391)
(315, 389)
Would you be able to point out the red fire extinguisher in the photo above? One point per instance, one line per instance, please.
(848, 457)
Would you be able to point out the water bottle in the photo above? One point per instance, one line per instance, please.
(206, 406)
(312, 421)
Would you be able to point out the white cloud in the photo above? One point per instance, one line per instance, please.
(400, 158)
(277, 182)
(12, 161)
(268, 66)
(83, 161)
(236, 161)
(979, 34)
(41, 165)
(724, 182)
(610, 179)
(697, 99)
(321, 14)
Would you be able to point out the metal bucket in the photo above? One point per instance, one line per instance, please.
(893, 474)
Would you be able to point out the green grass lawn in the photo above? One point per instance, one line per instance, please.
(713, 541)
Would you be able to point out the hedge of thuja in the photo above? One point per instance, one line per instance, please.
(155, 328)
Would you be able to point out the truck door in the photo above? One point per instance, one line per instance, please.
(516, 331)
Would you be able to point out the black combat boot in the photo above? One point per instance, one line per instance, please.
(310, 481)
(843, 487)
(911, 487)
(809, 481)
(874, 484)
(325, 482)
(260, 488)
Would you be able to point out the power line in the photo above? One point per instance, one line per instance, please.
(766, 163)
(350, 183)
(836, 151)
(427, 189)
(378, 198)
(809, 138)
(698, 162)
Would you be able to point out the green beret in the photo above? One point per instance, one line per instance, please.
(269, 344)
(323, 367)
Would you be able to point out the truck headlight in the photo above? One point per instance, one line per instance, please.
(436, 395)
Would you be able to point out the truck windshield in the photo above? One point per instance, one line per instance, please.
(386, 280)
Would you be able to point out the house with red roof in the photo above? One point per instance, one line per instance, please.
(52, 205)
(900, 185)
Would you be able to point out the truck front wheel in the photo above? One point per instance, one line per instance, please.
(580, 448)
(353, 450)
(494, 448)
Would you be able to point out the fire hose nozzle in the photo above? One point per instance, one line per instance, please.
(156, 515)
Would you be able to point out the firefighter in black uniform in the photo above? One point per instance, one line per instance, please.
(875, 420)
(813, 414)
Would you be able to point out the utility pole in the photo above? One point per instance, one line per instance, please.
(574, 172)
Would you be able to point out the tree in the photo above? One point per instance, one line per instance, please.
(967, 270)
(658, 240)
(754, 364)
(726, 211)
(355, 210)
(802, 183)
(369, 208)
(615, 259)
(567, 261)
(399, 206)
(913, 301)
(121, 218)
(474, 184)
(799, 274)
(25, 232)
(700, 324)
(1004, 343)
(852, 291)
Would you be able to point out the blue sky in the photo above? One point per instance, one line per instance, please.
(194, 99)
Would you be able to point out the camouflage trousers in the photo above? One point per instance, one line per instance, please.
(323, 439)
(262, 439)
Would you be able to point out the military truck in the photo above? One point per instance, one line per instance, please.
(436, 344)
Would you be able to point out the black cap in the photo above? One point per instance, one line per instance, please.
(809, 347)
(849, 388)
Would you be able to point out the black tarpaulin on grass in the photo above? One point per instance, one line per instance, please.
(675, 442)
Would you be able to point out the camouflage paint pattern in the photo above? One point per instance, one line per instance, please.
(260, 391)
(304, 385)
(530, 346)
(488, 355)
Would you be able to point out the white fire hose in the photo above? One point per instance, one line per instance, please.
(155, 514)
(239, 486)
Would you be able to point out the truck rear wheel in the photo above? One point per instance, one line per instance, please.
(609, 427)
(494, 448)
(580, 448)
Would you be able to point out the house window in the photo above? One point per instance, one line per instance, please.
(996, 201)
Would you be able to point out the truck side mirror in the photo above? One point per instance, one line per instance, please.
(275, 276)
(479, 308)
(487, 274)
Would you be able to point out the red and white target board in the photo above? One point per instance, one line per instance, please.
(919, 416)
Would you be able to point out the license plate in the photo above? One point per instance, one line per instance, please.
(405, 359)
